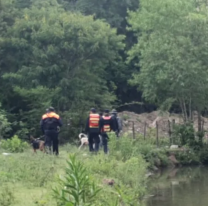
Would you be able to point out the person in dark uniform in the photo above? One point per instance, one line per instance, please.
(93, 130)
(50, 123)
(117, 122)
(107, 125)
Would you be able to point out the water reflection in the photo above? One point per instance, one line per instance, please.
(179, 187)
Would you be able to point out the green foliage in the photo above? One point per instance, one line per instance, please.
(30, 170)
(114, 12)
(76, 187)
(185, 133)
(14, 144)
(171, 53)
(4, 124)
(6, 197)
(189, 157)
(125, 189)
(127, 148)
(62, 60)
(203, 155)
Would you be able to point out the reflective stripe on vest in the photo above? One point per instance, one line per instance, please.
(106, 127)
(94, 120)
(51, 115)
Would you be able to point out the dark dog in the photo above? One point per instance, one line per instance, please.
(37, 144)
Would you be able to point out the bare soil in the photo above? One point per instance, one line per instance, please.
(163, 119)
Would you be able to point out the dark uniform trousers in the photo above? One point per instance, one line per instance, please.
(105, 142)
(51, 138)
(93, 138)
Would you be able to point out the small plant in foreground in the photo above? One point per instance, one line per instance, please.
(77, 189)
(14, 144)
(6, 197)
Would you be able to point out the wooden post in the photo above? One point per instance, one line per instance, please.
(133, 129)
(202, 125)
(145, 126)
(173, 124)
(157, 135)
(169, 130)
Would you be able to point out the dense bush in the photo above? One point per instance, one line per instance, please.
(6, 197)
(126, 147)
(14, 144)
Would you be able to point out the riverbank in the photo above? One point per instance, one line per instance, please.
(185, 186)
(121, 175)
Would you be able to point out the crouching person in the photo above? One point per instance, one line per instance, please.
(107, 125)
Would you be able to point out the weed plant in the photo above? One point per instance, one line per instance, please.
(14, 145)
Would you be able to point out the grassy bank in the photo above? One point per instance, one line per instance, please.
(28, 179)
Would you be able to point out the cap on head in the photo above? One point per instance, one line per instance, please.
(51, 109)
(93, 110)
(114, 111)
(106, 111)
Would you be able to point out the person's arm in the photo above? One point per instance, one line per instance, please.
(115, 124)
(112, 127)
(101, 124)
(42, 126)
(60, 123)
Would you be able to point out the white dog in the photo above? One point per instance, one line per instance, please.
(84, 140)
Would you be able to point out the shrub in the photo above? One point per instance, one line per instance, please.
(129, 177)
(14, 144)
(185, 133)
(6, 197)
(77, 188)
(5, 126)
(126, 148)
(203, 155)
(189, 157)
(32, 170)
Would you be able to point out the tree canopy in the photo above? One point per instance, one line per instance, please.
(76, 54)
(55, 57)
(171, 51)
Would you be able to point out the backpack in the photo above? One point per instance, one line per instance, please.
(120, 123)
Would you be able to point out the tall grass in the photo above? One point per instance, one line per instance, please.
(32, 177)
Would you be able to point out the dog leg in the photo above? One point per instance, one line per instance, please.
(81, 146)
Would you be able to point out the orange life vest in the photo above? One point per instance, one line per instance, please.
(94, 120)
(51, 115)
(106, 127)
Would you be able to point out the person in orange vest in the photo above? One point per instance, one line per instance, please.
(93, 128)
(107, 125)
(50, 124)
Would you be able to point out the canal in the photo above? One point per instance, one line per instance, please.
(187, 186)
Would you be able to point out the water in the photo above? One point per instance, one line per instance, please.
(179, 187)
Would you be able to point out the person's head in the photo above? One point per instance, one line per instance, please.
(93, 111)
(114, 112)
(47, 110)
(101, 114)
(106, 112)
(51, 109)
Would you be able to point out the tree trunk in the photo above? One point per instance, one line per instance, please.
(199, 121)
(182, 109)
(190, 110)
(185, 111)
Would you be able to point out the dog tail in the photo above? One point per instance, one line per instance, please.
(82, 135)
